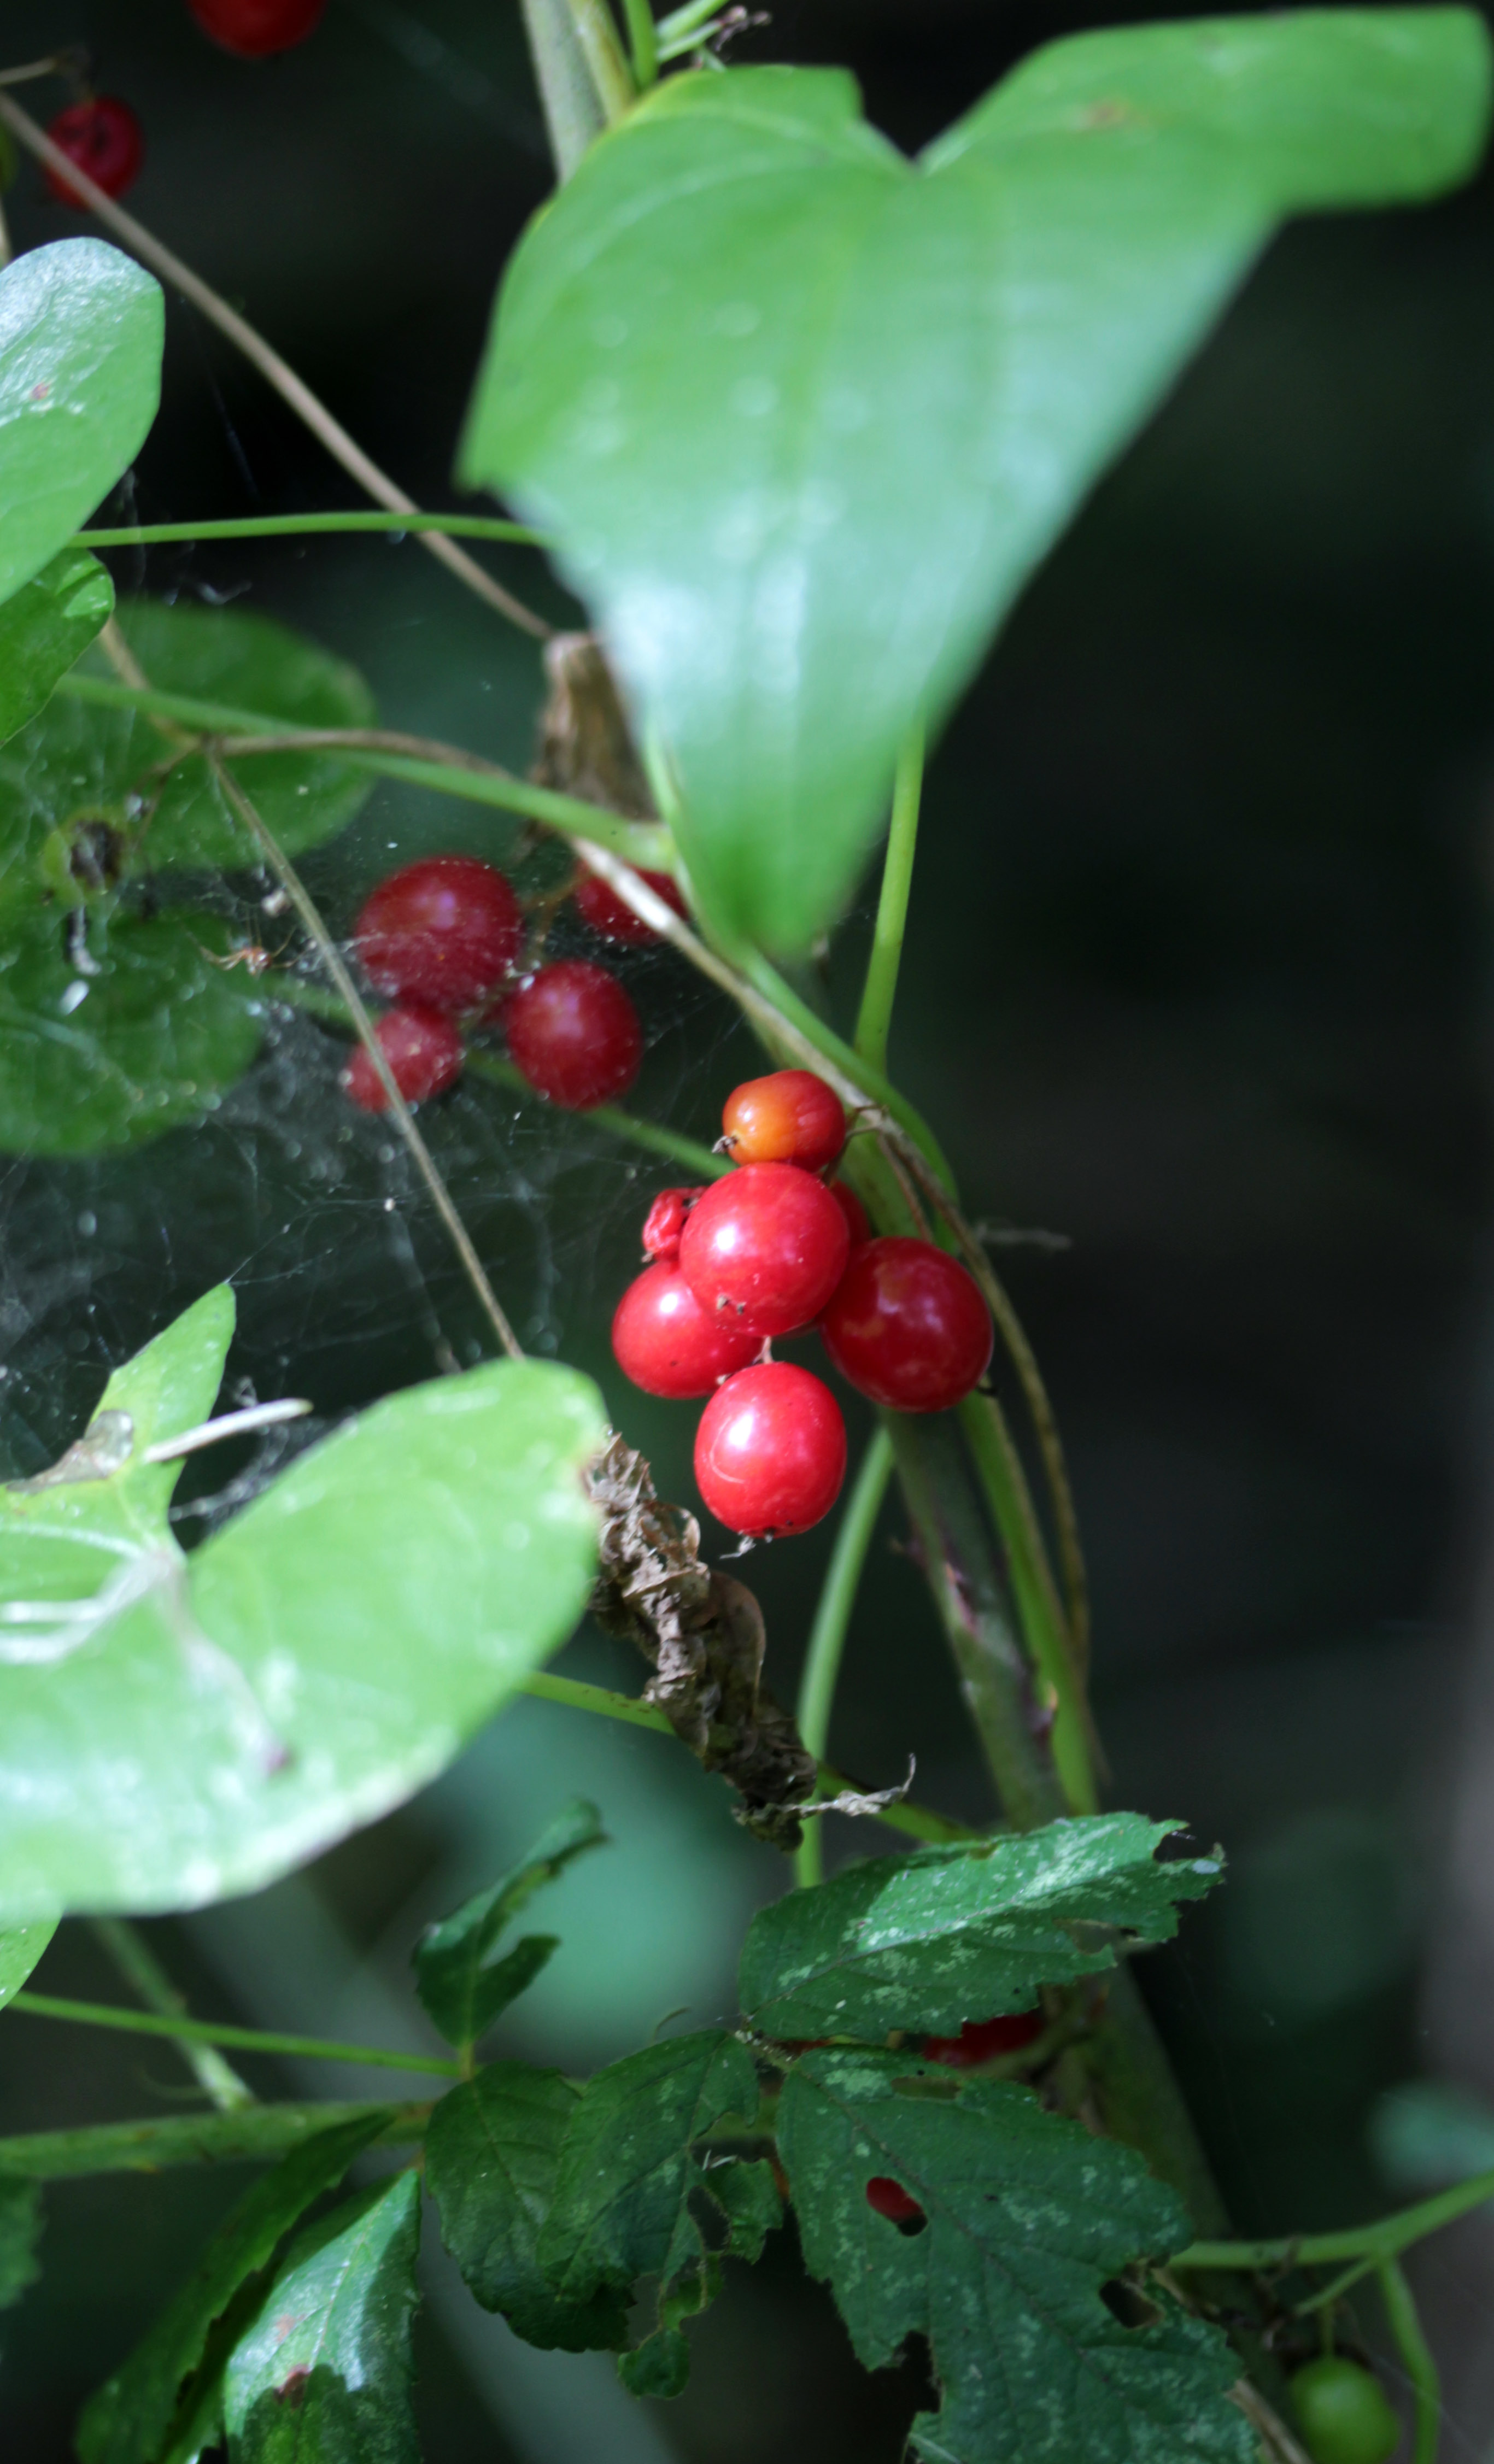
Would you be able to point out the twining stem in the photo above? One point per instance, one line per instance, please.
(915, 1821)
(291, 389)
(208, 2031)
(139, 1967)
(1384, 2238)
(1415, 2353)
(572, 112)
(477, 526)
(832, 1623)
(643, 42)
(604, 56)
(257, 2133)
(880, 990)
(681, 23)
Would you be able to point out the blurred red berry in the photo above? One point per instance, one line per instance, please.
(667, 1344)
(767, 1246)
(889, 2199)
(598, 904)
(791, 1116)
(256, 28)
(981, 2040)
(444, 930)
(423, 1052)
(574, 1034)
(665, 1221)
(105, 140)
(770, 1451)
(907, 1327)
(857, 1222)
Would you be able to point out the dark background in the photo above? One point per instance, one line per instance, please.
(1197, 976)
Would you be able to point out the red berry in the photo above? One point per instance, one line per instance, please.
(598, 904)
(423, 1052)
(767, 1245)
(791, 1117)
(256, 28)
(981, 2040)
(445, 930)
(770, 1451)
(665, 1221)
(667, 1344)
(105, 140)
(908, 1326)
(574, 1034)
(857, 1223)
(889, 2199)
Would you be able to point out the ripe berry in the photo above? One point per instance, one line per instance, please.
(574, 1034)
(981, 2040)
(105, 140)
(852, 1207)
(423, 1052)
(1343, 2413)
(256, 28)
(908, 1326)
(768, 1246)
(665, 1221)
(445, 930)
(770, 1451)
(667, 1344)
(791, 1117)
(598, 904)
(889, 2199)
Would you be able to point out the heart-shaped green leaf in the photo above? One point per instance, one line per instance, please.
(78, 765)
(173, 1729)
(47, 625)
(802, 416)
(81, 336)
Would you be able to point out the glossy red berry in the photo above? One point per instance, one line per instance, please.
(889, 2199)
(105, 140)
(667, 1344)
(256, 28)
(598, 904)
(665, 1221)
(1343, 2413)
(908, 1326)
(574, 1033)
(790, 1117)
(766, 1247)
(770, 1451)
(857, 1223)
(444, 930)
(981, 2040)
(423, 1052)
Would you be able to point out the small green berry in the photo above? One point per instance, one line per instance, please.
(1343, 2413)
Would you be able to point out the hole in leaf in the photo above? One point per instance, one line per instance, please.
(1126, 2302)
(888, 2198)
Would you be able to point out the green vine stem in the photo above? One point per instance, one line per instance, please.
(255, 2134)
(642, 41)
(1382, 2239)
(208, 2031)
(880, 989)
(474, 526)
(1415, 2353)
(831, 1624)
(139, 1967)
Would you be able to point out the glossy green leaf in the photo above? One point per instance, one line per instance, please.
(20, 1949)
(44, 628)
(131, 2416)
(1026, 2217)
(950, 1934)
(804, 416)
(20, 2233)
(111, 1037)
(77, 766)
(175, 1729)
(81, 328)
(323, 2375)
(493, 2151)
(462, 1986)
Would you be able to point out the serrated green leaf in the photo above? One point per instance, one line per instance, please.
(81, 328)
(45, 627)
(957, 1933)
(152, 1038)
(131, 2415)
(804, 416)
(1027, 2216)
(747, 2194)
(323, 2375)
(77, 767)
(493, 2151)
(173, 1729)
(455, 1977)
(20, 1949)
(20, 2232)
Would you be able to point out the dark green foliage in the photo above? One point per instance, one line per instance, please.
(462, 1987)
(20, 2232)
(46, 627)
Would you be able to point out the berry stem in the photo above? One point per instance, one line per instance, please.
(1383, 2238)
(875, 1016)
(255, 2133)
(311, 526)
(831, 1624)
(277, 372)
(1415, 2353)
(643, 42)
(208, 2031)
(137, 1963)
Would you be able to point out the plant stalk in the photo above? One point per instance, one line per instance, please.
(254, 2134)
(832, 1623)
(139, 1967)
(875, 1016)
(209, 2032)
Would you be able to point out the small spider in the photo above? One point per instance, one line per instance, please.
(249, 955)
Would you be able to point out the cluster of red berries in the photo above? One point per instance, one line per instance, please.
(444, 939)
(770, 1250)
(102, 134)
